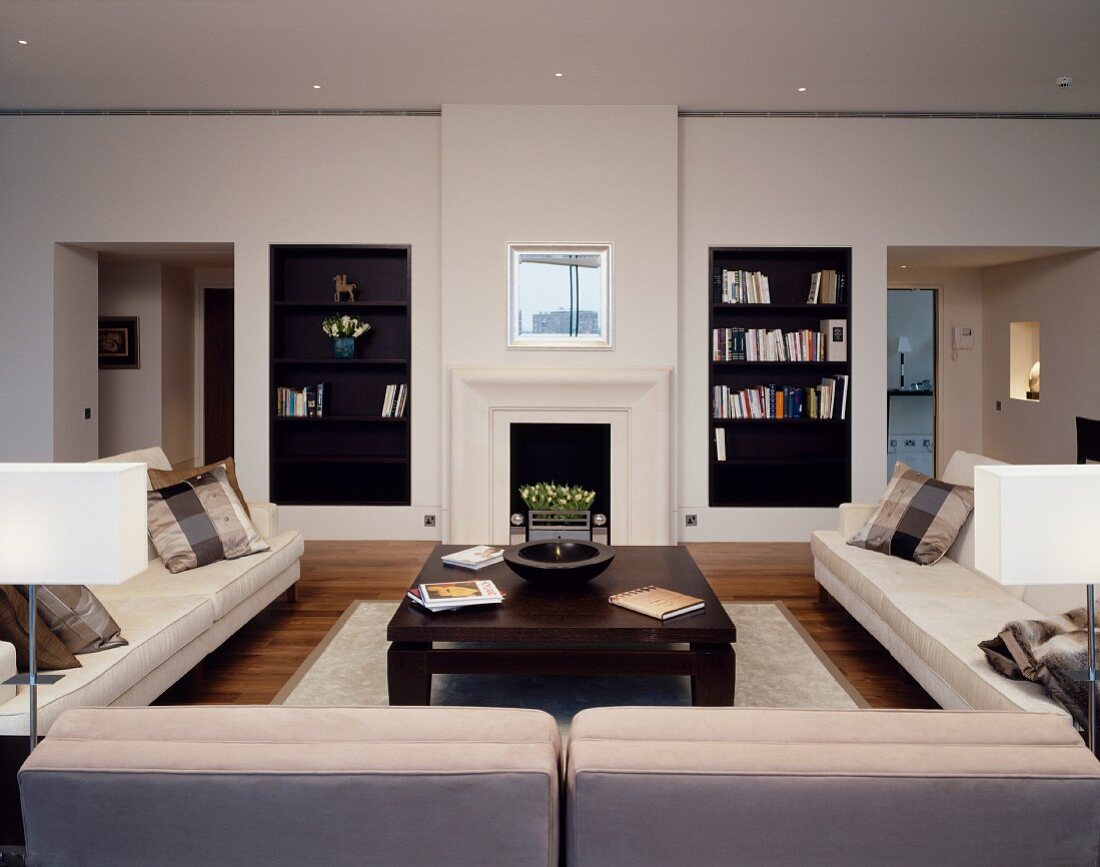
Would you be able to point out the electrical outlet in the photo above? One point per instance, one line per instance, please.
(429, 520)
(910, 444)
(927, 444)
(691, 520)
(892, 446)
(998, 406)
(87, 412)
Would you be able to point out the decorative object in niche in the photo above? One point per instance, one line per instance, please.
(1033, 382)
(559, 296)
(118, 342)
(343, 287)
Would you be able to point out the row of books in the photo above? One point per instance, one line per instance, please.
(828, 287)
(745, 287)
(393, 404)
(761, 344)
(825, 401)
(301, 402)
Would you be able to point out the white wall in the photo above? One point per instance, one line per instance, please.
(177, 373)
(251, 181)
(867, 184)
(130, 401)
(559, 174)
(1061, 294)
(72, 326)
(959, 383)
(254, 181)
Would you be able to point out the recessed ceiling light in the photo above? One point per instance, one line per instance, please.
(316, 87)
(801, 90)
(558, 74)
(22, 41)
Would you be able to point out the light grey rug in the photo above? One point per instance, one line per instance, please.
(778, 665)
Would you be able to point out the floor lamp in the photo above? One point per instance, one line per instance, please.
(68, 524)
(1037, 525)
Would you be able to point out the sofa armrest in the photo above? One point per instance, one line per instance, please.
(7, 669)
(265, 517)
(853, 516)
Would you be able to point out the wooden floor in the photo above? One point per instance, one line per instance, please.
(253, 665)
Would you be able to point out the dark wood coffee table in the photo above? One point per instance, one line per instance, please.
(571, 631)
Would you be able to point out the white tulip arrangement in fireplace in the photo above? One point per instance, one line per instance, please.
(558, 511)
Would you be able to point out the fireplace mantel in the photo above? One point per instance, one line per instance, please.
(635, 401)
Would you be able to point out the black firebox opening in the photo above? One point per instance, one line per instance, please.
(570, 454)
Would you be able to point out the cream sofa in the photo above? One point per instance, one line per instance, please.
(171, 622)
(931, 618)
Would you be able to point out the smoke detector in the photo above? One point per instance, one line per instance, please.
(1064, 81)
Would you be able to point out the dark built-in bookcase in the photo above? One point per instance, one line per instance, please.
(790, 462)
(351, 455)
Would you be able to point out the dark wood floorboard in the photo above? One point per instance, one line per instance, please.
(253, 665)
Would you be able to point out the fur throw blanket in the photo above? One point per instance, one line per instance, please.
(1045, 652)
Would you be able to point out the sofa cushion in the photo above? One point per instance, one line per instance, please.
(200, 521)
(156, 629)
(768, 786)
(164, 478)
(51, 652)
(918, 517)
(78, 618)
(278, 784)
(226, 583)
(941, 612)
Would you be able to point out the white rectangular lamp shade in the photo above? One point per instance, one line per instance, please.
(1038, 524)
(72, 523)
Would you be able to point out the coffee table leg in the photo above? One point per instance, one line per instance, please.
(712, 685)
(410, 682)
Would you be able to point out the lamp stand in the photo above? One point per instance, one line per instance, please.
(32, 678)
(1088, 675)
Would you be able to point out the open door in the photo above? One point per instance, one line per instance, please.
(217, 374)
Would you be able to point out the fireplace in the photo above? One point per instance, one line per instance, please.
(633, 404)
(569, 454)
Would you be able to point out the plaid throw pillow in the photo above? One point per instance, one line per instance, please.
(200, 521)
(918, 517)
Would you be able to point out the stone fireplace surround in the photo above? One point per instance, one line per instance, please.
(636, 402)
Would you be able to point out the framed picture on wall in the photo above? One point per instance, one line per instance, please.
(119, 346)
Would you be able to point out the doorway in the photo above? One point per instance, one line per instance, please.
(217, 374)
(911, 379)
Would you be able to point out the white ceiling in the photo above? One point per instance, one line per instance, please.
(852, 55)
(966, 257)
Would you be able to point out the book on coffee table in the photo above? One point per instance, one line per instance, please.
(656, 602)
(446, 595)
(474, 558)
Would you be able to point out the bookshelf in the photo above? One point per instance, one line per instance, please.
(779, 462)
(351, 455)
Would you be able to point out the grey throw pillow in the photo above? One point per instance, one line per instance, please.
(918, 517)
(78, 618)
(199, 521)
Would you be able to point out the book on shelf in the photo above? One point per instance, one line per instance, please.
(745, 287)
(720, 444)
(828, 287)
(826, 400)
(835, 337)
(477, 557)
(657, 602)
(306, 402)
(762, 344)
(441, 595)
(394, 401)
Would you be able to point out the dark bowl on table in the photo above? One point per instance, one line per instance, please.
(559, 562)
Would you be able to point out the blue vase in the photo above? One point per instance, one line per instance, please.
(343, 347)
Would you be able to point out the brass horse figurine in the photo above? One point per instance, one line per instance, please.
(342, 286)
